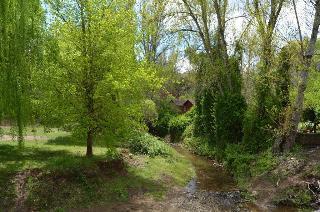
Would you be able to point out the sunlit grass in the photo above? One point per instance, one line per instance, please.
(62, 153)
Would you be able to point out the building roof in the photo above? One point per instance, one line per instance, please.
(180, 102)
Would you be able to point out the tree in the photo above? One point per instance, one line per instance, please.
(97, 84)
(261, 123)
(20, 38)
(218, 92)
(155, 36)
(293, 119)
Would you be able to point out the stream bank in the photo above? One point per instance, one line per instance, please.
(213, 189)
(214, 182)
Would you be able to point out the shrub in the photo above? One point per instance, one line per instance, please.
(264, 162)
(204, 119)
(177, 125)
(147, 144)
(258, 135)
(238, 161)
(199, 145)
(150, 113)
(295, 196)
(165, 113)
(229, 113)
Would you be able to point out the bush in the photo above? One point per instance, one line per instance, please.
(177, 126)
(294, 196)
(263, 163)
(244, 164)
(238, 161)
(147, 144)
(150, 113)
(199, 145)
(204, 118)
(258, 135)
(165, 113)
(229, 114)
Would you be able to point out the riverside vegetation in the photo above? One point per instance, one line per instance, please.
(88, 118)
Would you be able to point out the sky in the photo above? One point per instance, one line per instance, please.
(286, 28)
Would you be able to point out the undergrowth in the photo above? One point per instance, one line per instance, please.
(149, 145)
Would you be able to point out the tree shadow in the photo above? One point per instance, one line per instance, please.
(13, 158)
(75, 181)
(72, 141)
(66, 141)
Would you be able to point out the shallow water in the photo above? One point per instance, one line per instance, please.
(212, 177)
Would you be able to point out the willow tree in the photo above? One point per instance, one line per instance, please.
(19, 25)
(97, 82)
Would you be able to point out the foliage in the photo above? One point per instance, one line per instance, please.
(150, 113)
(294, 196)
(198, 145)
(229, 115)
(102, 89)
(166, 113)
(1, 132)
(263, 163)
(256, 136)
(147, 144)
(220, 110)
(204, 117)
(238, 161)
(266, 114)
(244, 164)
(20, 56)
(178, 124)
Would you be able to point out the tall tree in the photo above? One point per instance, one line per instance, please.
(156, 39)
(20, 22)
(261, 125)
(97, 84)
(219, 78)
(291, 127)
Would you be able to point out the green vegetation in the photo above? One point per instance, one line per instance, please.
(84, 82)
(178, 124)
(294, 196)
(148, 145)
(57, 166)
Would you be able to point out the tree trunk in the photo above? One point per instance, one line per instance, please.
(295, 116)
(89, 143)
(20, 127)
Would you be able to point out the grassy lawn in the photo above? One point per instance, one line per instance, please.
(54, 174)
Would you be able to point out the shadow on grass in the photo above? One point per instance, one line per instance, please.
(66, 141)
(80, 191)
(13, 160)
(72, 141)
(63, 180)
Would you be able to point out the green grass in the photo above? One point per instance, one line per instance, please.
(63, 177)
(36, 131)
(176, 169)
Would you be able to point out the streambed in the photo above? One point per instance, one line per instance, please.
(213, 180)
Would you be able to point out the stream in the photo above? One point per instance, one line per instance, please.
(213, 180)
